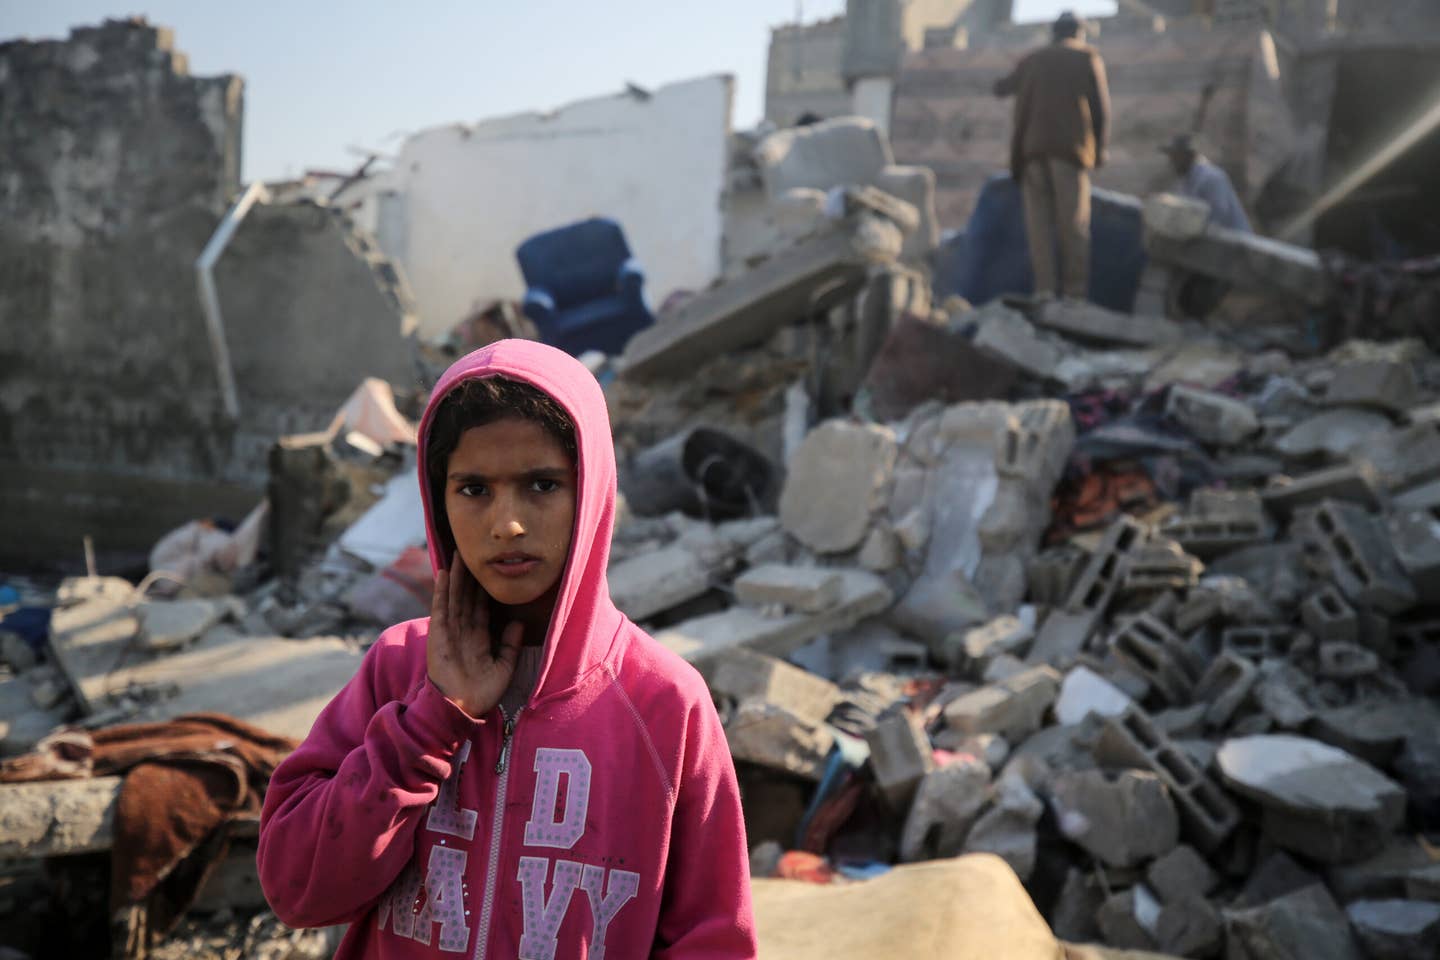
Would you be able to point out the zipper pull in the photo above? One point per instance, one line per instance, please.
(505, 745)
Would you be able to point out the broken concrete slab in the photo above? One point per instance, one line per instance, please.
(1334, 433)
(1317, 800)
(1084, 692)
(1119, 919)
(946, 805)
(741, 675)
(1122, 820)
(1181, 874)
(171, 624)
(1012, 708)
(744, 310)
(1007, 829)
(1386, 385)
(772, 736)
(1307, 923)
(1357, 482)
(1396, 929)
(1211, 417)
(1004, 333)
(1006, 634)
(1191, 927)
(802, 589)
(1088, 322)
(1415, 535)
(861, 595)
(834, 484)
(653, 582)
(221, 673)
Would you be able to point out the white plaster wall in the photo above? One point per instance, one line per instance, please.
(467, 196)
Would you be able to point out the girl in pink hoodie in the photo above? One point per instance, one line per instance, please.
(525, 772)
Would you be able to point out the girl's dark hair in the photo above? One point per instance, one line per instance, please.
(476, 403)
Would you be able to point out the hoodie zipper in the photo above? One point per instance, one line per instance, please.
(497, 825)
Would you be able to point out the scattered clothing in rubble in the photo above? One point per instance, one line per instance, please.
(185, 779)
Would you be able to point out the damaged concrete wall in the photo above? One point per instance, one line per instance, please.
(1222, 83)
(462, 198)
(805, 72)
(118, 167)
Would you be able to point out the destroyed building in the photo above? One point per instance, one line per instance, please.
(121, 166)
(1037, 629)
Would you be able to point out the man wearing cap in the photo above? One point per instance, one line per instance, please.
(1062, 106)
(1201, 179)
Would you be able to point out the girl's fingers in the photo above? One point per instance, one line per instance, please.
(439, 597)
(510, 641)
(456, 579)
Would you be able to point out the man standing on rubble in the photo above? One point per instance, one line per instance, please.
(1062, 106)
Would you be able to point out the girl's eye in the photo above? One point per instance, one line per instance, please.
(472, 490)
(545, 486)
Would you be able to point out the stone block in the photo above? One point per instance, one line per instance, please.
(881, 551)
(804, 589)
(1181, 874)
(1405, 456)
(1282, 703)
(1207, 814)
(1415, 535)
(771, 736)
(654, 581)
(1052, 575)
(835, 483)
(900, 755)
(1355, 550)
(1156, 653)
(1334, 434)
(1316, 800)
(1014, 708)
(1225, 686)
(1212, 418)
(1329, 618)
(946, 806)
(1122, 820)
(740, 675)
(1306, 923)
(1063, 636)
(1396, 929)
(1375, 731)
(1387, 385)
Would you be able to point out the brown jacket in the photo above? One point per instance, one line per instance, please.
(1062, 105)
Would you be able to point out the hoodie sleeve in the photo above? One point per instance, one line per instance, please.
(341, 812)
(706, 911)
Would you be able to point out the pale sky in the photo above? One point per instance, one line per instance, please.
(323, 77)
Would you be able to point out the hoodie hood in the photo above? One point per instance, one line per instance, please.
(585, 622)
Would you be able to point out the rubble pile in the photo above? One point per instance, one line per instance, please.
(1143, 608)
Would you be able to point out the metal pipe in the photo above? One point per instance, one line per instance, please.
(210, 301)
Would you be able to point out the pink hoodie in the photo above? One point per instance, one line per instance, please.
(603, 816)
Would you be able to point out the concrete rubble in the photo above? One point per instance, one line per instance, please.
(1141, 611)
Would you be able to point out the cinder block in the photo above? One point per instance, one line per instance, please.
(1329, 617)
(1353, 546)
(1207, 539)
(1156, 653)
(1207, 815)
(1214, 418)
(1347, 661)
(1257, 642)
(741, 675)
(807, 589)
(1053, 574)
(1061, 641)
(1357, 481)
(1160, 564)
(1224, 687)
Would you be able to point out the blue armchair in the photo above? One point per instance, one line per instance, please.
(585, 290)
